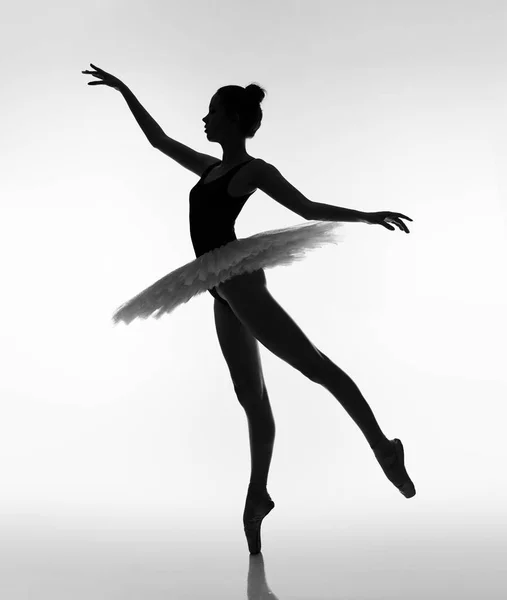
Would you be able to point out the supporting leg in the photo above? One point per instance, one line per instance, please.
(261, 429)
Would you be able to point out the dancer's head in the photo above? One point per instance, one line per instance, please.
(234, 113)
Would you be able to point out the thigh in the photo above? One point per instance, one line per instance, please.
(214, 293)
(254, 306)
(240, 350)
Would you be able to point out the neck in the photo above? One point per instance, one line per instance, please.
(234, 153)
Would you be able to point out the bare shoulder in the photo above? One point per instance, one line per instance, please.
(262, 171)
(255, 170)
(267, 178)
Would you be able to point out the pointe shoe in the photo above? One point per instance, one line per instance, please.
(255, 511)
(393, 466)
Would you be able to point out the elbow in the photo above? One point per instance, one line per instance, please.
(155, 140)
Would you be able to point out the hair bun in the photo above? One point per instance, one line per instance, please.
(255, 92)
(244, 104)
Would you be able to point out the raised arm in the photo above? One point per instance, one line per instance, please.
(192, 160)
(147, 123)
(150, 127)
(187, 157)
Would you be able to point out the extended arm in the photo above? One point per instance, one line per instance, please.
(268, 178)
(326, 212)
(150, 127)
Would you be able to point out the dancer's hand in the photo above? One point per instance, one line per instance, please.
(106, 78)
(386, 217)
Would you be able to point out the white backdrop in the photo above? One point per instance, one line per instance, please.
(374, 106)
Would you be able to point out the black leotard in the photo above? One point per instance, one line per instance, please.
(213, 213)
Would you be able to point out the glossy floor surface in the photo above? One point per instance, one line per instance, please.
(109, 559)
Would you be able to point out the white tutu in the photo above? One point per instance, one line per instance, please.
(262, 250)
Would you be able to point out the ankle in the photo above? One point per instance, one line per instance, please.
(256, 488)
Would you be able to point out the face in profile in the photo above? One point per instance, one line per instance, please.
(218, 124)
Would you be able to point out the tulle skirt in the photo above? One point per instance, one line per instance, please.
(277, 247)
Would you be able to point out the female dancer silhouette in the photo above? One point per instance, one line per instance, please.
(232, 271)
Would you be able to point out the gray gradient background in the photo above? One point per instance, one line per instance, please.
(124, 451)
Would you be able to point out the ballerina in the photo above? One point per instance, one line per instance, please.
(232, 271)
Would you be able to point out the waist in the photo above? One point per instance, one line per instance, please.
(206, 243)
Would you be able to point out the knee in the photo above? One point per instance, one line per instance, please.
(317, 368)
(250, 394)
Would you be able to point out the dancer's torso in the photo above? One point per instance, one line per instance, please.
(215, 202)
